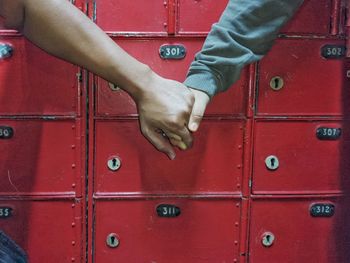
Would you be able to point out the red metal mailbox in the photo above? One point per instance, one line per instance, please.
(300, 157)
(133, 17)
(48, 231)
(35, 83)
(112, 101)
(304, 77)
(126, 162)
(167, 230)
(190, 13)
(298, 230)
(306, 21)
(39, 157)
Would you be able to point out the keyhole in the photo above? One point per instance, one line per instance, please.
(273, 162)
(112, 240)
(268, 239)
(276, 83)
(114, 162)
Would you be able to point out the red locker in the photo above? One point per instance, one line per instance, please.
(213, 165)
(304, 77)
(132, 17)
(35, 83)
(309, 157)
(197, 16)
(49, 231)
(112, 101)
(287, 230)
(41, 158)
(206, 230)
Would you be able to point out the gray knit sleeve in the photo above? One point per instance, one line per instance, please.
(244, 34)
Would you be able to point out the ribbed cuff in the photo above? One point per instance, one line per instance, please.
(204, 81)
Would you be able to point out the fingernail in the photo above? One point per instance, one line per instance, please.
(172, 156)
(194, 126)
(182, 146)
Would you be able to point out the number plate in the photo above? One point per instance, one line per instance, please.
(322, 210)
(333, 51)
(5, 212)
(172, 52)
(168, 210)
(6, 132)
(324, 133)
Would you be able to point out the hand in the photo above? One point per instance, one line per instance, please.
(200, 104)
(164, 110)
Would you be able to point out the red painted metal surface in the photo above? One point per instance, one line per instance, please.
(306, 163)
(313, 17)
(42, 158)
(132, 17)
(117, 102)
(49, 231)
(207, 230)
(313, 86)
(213, 165)
(299, 237)
(196, 17)
(33, 75)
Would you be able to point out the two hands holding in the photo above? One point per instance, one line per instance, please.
(169, 112)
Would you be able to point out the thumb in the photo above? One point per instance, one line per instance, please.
(199, 106)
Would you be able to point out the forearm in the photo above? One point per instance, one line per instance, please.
(244, 34)
(62, 30)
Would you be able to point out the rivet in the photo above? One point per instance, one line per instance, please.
(236, 242)
(239, 146)
(236, 224)
(238, 186)
(73, 165)
(73, 205)
(73, 243)
(237, 204)
(73, 259)
(73, 224)
(73, 185)
(73, 146)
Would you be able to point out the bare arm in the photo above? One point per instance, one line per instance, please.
(62, 30)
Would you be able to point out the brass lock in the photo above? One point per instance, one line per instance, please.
(276, 83)
(114, 163)
(113, 87)
(272, 163)
(267, 239)
(112, 240)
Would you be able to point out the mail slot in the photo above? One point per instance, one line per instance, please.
(41, 157)
(147, 17)
(292, 157)
(296, 235)
(35, 83)
(48, 231)
(304, 78)
(305, 21)
(206, 228)
(113, 101)
(214, 164)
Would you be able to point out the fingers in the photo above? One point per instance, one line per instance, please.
(159, 141)
(200, 104)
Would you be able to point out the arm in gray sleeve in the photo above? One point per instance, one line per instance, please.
(244, 34)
